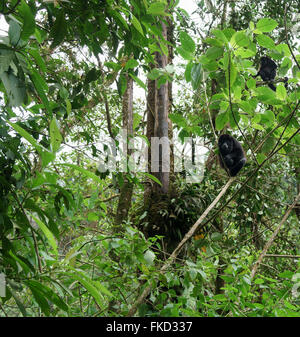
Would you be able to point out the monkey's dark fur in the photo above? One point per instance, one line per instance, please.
(267, 71)
(231, 154)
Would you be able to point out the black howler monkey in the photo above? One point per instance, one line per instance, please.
(231, 154)
(267, 71)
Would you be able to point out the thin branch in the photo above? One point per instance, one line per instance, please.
(283, 256)
(269, 243)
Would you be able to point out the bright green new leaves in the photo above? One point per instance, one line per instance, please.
(265, 41)
(266, 25)
(239, 39)
(281, 92)
(187, 48)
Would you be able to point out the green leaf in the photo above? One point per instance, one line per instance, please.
(184, 54)
(178, 119)
(239, 39)
(265, 41)
(138, 81)
(41, 87)
(14, 87)
(38, 59)
(132, 63)
(14, 32)
(19, 303)
(59, 29)
(137, 25)
(188, 72)
(266, 25)
(6, 56)
(55, 136)
(260, 157)
(221, 120)
(47, 233)
(88, 285)
(187, 42)
(45, 292)
(157, 8)
(214, 53)
(27, 136)
(28, 21)
(152, 178)
(281, 92)
(251, 83)
(196, 75)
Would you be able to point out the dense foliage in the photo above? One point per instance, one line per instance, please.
(64, 69)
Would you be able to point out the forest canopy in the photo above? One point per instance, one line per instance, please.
(115, 199)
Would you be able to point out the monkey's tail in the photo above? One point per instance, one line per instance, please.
(272, 86)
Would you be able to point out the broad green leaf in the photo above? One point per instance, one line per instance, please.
(266, 25)
(132, 63)
(221, 120)
(178, 119)
(48, 293)
(6, 56)
(239, 39)
(47, 233)
(251, 83)
(187, 42)
(14, 87)
(185, 54)
(265, 41)
(214, 42)
(136, 24)
(14, 32)
(28, 20)
(260, 157)
(59, 29)
(244, 53)
(157, 8)
(196, 75)
(214, 53)
(281, 92)
(55, 136)
(188, 72)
